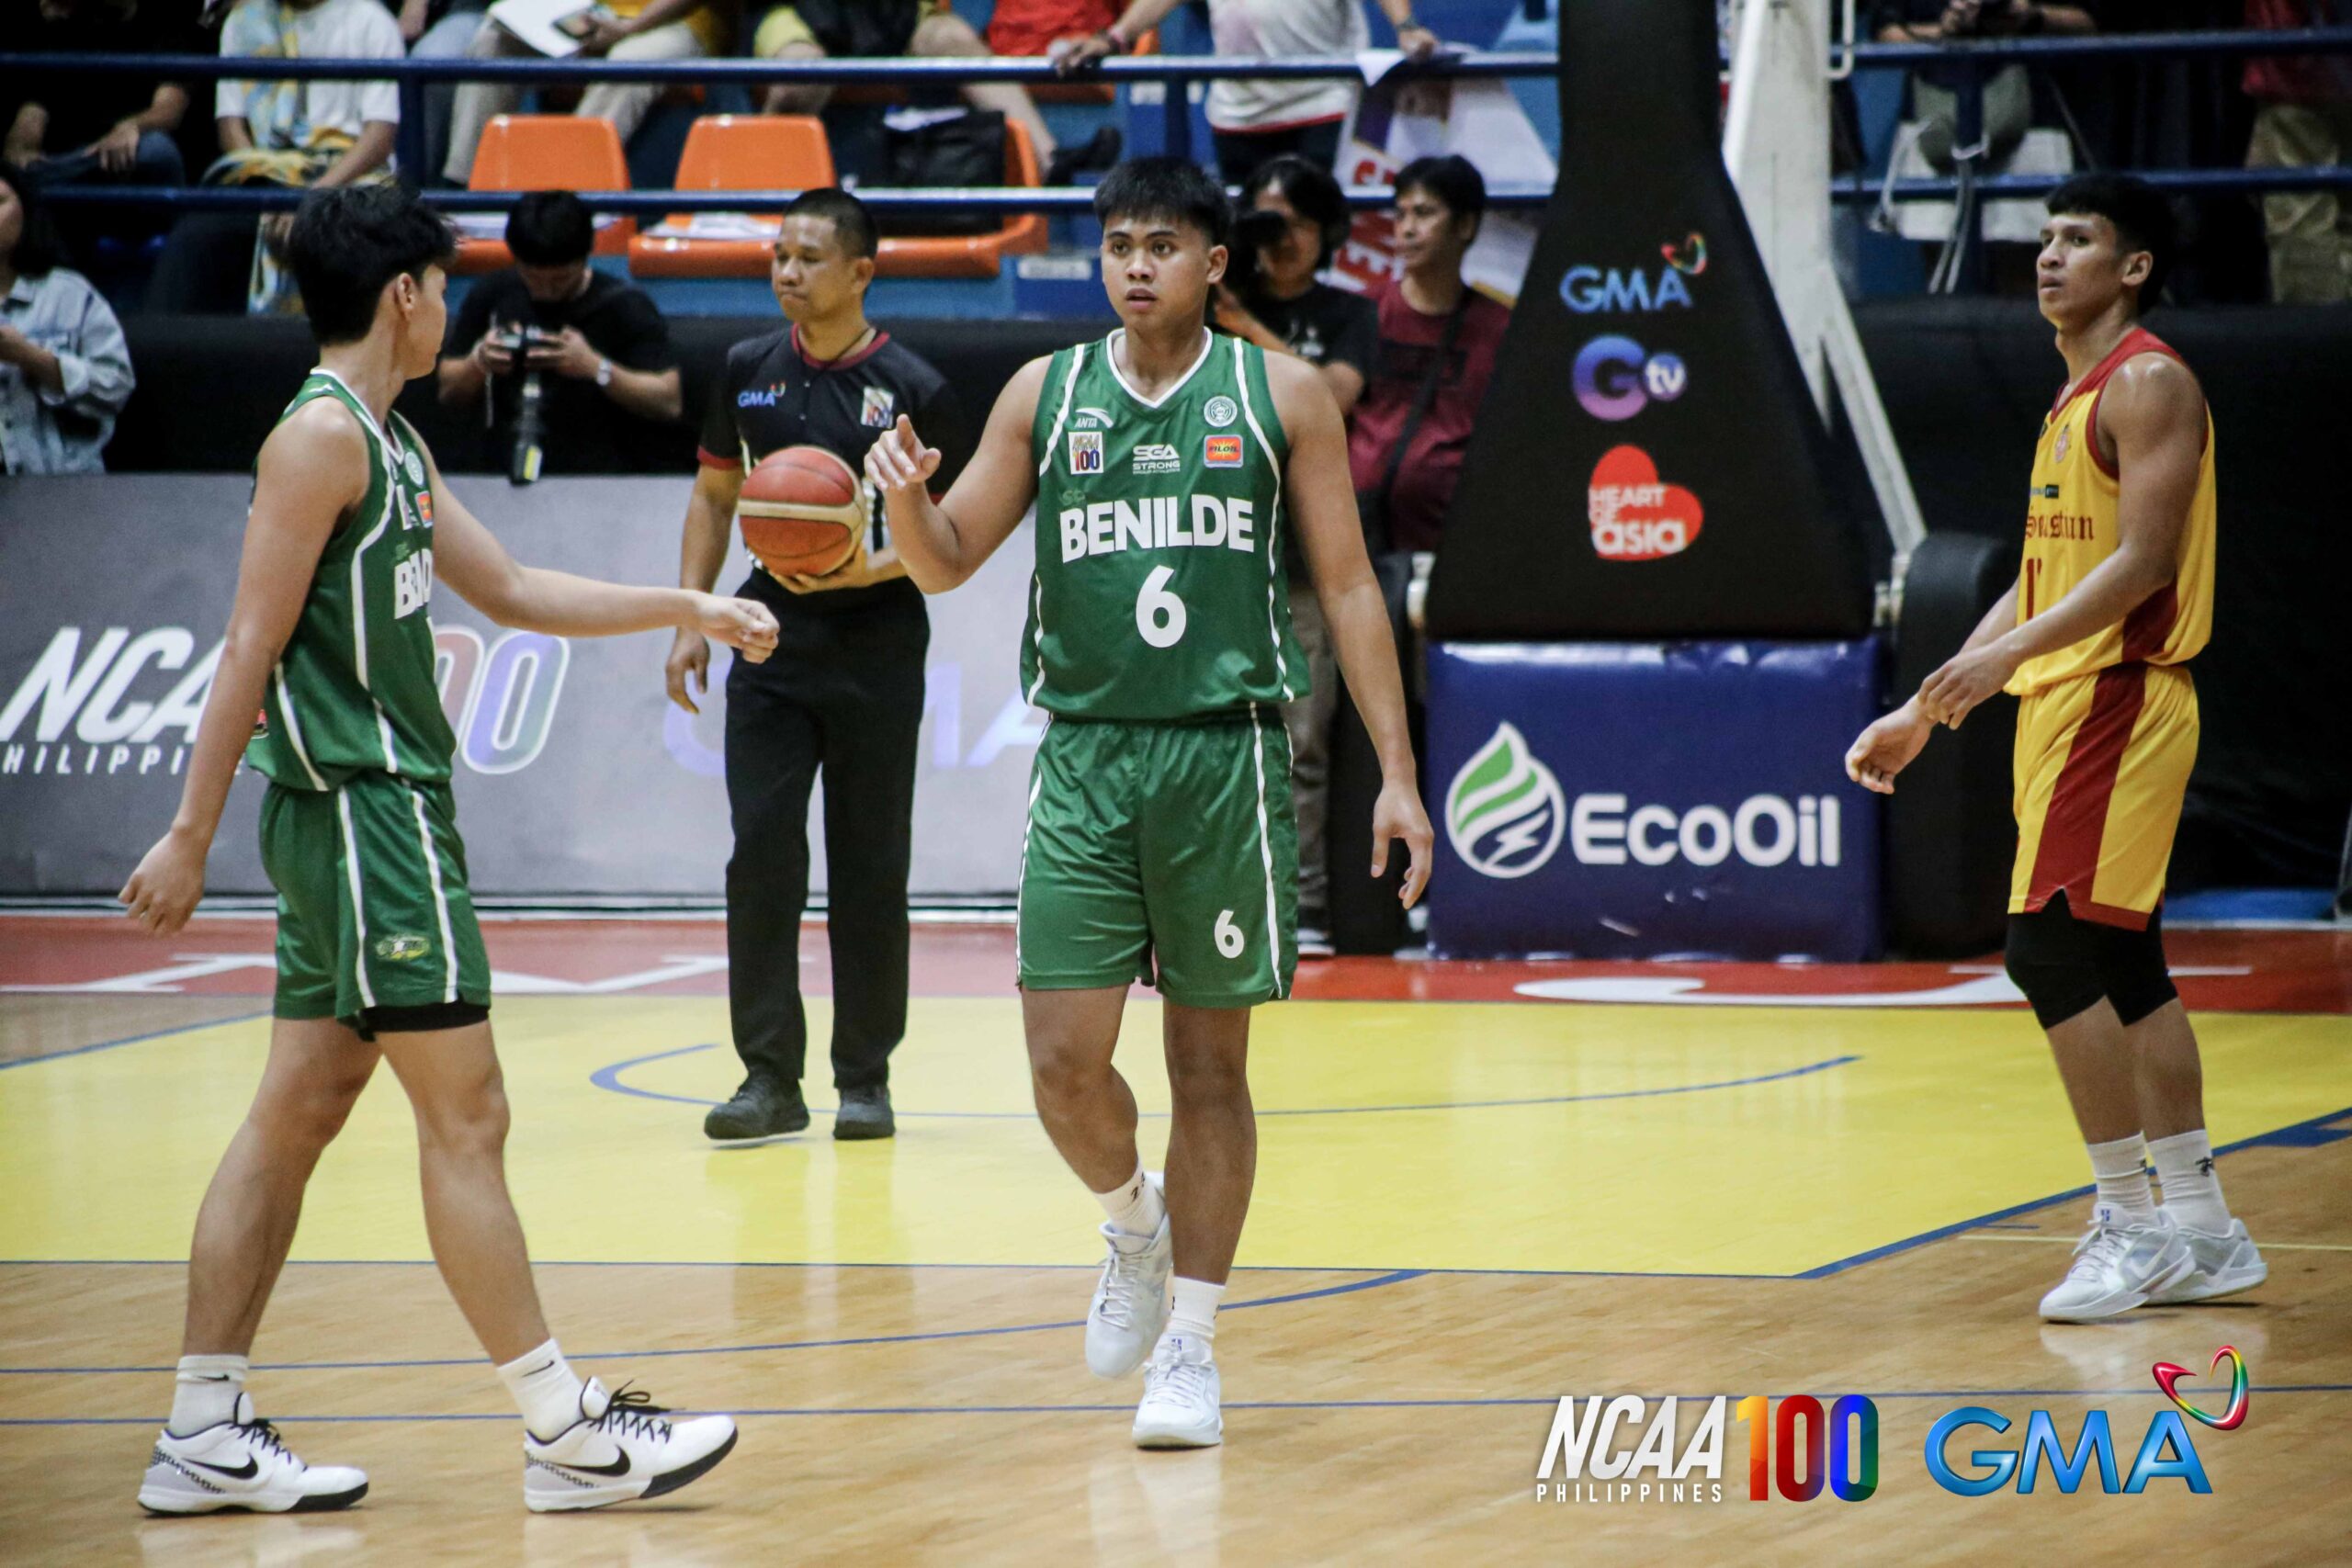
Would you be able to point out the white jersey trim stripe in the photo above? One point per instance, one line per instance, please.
(1208, 346)
(1069, 387)
(358, 907)
(440, 896)
(294, 726)
(1274, 522)
(1266, 849)
(1028, 817)
(1037, 613)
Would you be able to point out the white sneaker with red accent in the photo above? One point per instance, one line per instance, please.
(624, 1447)
(242, 1466)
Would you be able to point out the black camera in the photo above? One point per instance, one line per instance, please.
(1253, 231)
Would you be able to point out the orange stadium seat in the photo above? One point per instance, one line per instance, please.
(546, 152)
(726, 152)
(975, 255)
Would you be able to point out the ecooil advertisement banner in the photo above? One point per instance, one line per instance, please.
(1651, 799)
(576, 776)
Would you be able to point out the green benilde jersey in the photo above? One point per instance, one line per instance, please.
(355, 691)
(1159, 593)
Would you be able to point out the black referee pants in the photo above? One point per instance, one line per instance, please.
(843, 693)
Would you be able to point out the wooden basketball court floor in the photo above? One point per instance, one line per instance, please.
(1482, 1186)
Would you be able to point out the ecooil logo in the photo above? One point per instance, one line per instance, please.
(1503, 812)
(1616, 379)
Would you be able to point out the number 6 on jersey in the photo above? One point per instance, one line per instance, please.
(1160, 615)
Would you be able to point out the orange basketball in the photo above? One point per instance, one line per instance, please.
(802, 511)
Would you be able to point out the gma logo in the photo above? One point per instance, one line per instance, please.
(2165, 1452)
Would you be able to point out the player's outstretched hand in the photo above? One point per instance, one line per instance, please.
(899, 461)
(688, 670)
(162, 893)
(744, 625)
(1964, 681)
(1886, 748)
(1397, 814)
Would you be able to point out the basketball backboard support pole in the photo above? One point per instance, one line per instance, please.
(1776, 144)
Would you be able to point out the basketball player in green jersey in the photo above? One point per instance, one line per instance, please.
(379, 956)
(1165, 463)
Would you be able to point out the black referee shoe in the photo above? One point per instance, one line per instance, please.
(763, 1109)
(865, 1113)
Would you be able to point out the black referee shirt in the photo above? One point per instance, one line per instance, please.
(771, 396)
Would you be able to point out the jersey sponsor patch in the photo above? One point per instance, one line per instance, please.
(877, 408)
(2058, 453)
(1155, 458)
(1221, 451)
(1085, 451)
(401, 949)
(1220, 411)
(1090, 418)
(412, 584)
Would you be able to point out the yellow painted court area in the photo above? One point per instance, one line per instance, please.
(1761, 1141)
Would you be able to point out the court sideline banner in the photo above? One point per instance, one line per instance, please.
(575, 774)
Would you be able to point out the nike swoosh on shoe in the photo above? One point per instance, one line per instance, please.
(252, 1468)
(619, 1467)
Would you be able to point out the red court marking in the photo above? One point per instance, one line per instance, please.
(2291, 971)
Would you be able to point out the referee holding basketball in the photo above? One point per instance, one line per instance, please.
(842, 692)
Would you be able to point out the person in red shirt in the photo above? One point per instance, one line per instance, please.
(1438, 342)
(1034, 26)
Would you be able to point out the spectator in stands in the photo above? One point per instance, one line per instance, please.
(116, 129)
(439, 29)
(868, 29)
(1254, 120)
(64, 372)
(1935, 89)
(620, 29)
(1295, 219)
(284, 133)
(609, 382)
(1438, 341)
(2303, 118)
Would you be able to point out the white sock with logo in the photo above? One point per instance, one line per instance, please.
(1192, 1309)
(2120, 1168)
(546, 1390)
(205, 1394)
(1135, 1205)
(2192, 1191)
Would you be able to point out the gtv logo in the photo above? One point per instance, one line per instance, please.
(2165, 1451)
(1615, 377)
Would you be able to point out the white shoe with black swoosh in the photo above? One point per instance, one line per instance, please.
(242, 1464)
(624, 1447)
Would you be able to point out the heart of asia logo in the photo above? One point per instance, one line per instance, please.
(1634, 516)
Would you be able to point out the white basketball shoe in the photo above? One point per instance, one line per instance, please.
(1182, 1393)
(1130, 1305)
(2120, 1263)
(242, 1464)
(2225, 1264)
(624, 1447)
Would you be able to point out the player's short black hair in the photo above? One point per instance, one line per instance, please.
(1453, 179)
(349, 241)
(1312, 193)
(853, 224)
(2142, 216)
(550, 228)
(38, 250)
(1165, 187)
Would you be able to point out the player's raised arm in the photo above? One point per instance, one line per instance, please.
(470, 559)
(1322, 507)
(944, 542)
(314, 469)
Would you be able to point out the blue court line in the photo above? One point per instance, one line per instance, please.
(1396, 1276)
(129, 1040)
(609, 1077)
(2295, 1135)
(1523, 1403)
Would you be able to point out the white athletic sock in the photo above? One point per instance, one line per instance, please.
(1135, 1205)
(2121, 1168)
(2192, 1191)
(546, 1389)
(205, 1394)
(1192, 1309)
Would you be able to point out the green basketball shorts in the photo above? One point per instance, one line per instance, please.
(1164, 852)
(373, 911)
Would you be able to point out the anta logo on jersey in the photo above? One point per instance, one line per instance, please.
(412, 585)
(1221, 451)
(1158, 523)
(1085, 451)
(1634, 515)
(1155, 458)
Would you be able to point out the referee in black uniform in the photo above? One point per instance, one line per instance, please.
(843, 691)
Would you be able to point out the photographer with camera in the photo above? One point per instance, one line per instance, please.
(1293, 222)
(577, 364)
